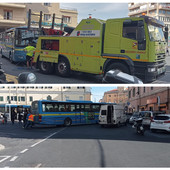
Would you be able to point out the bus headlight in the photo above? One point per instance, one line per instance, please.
(153, 69)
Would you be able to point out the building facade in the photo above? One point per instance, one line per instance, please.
(16, 14)
(27, 94)
(149, 98)
(119, 95)
(160, 11)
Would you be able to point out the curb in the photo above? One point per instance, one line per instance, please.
(2, 147)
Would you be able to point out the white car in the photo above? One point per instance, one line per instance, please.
(160, 122)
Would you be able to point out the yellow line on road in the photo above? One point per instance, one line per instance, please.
(11, 78)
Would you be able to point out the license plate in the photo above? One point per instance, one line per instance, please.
(159, 122)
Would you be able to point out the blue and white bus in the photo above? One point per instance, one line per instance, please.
(7, 109)
(65, 112)
(14, 40)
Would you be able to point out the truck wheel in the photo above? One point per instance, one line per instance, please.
(46, 67)
(67, 122)
(63, 68)
(118, 66)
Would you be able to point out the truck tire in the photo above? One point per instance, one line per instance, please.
(67, 122)
(63, 67)
(46, 67)
(119, 66)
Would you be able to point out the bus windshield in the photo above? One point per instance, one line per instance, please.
(156, 33)
(23, 37)
(34, 107)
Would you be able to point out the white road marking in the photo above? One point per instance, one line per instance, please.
(14, 158)
(24, 151)
(4, 158)
(38, 165)
(47, 137)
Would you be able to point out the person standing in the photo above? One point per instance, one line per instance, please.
(13, 114)
(29, 54)
(25, 118)
(19, 116)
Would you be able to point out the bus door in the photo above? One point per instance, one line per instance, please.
(77, 113)
(109, 114)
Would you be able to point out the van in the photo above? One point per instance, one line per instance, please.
(112, 114)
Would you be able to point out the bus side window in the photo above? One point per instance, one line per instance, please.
(73, 108)
(103, 112)
(77, 109)
(87, 107)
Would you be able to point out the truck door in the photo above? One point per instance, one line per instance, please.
(133, 34)
(103, 114)
(109, 114)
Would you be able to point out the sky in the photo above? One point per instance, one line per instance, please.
(98, 10)
(98, 92)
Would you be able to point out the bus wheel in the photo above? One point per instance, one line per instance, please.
(117, 66)
(46, 67)
(67, 122)
(63, 67)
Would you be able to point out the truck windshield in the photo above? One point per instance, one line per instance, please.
(155, 33)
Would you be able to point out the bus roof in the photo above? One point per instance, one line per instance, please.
(71, 101)
(15, 105)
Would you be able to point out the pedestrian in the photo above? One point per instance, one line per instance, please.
(13, 115)
(5, 118)
(167, 50)
(19, 116)
(25, 117)
(29, 54)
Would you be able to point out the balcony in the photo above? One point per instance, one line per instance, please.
(16, 5)
(136, 5)
(166, 7)
(69, 10)
(153, 7)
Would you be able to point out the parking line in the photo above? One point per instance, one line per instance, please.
(47, 137)
(38, 165)
(14, 158)
(24, 151)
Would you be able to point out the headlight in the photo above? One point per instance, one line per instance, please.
(151, 69)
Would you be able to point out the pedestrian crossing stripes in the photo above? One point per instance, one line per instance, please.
(11, 78)
(3, 158)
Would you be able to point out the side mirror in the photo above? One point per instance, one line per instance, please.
(26, 78)
(116, 76)
(166, 33)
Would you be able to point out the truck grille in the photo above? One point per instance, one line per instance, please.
(161, 57)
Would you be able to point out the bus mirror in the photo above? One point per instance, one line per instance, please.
(116, 76)
(26, 78)
(166, 33)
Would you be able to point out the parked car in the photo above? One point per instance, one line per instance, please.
(160, 122)
(148, 116)
(134, 117)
